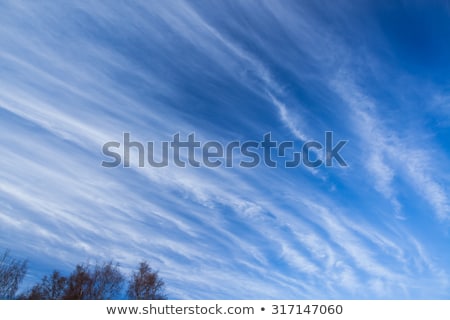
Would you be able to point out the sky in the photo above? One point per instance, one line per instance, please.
(76, 75)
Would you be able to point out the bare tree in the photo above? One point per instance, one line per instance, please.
(107, 282)
(12, 272)
(86, 282)
(145, 284)
(78, 283)
(99, 283)
(50, 288)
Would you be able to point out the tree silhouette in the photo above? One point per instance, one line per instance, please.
(86, 282)
(50, 288)
(107, 282)
(99, 283)
(12, 272)
(145, 284)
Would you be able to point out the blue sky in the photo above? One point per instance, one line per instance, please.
(77, 75)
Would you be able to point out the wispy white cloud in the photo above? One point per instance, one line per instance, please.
(389, 156)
